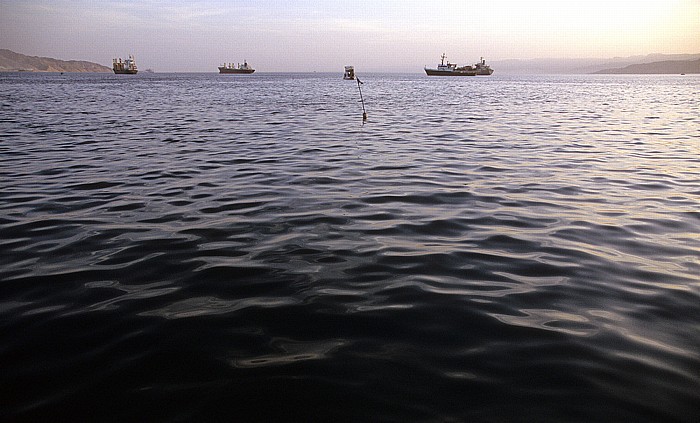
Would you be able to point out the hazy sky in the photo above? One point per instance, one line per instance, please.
(373, 35)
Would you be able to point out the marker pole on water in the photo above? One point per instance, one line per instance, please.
(364, 113)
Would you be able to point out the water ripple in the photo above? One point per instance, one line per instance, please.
(534, 258)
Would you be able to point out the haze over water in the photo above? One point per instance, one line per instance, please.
(201, 247)
(376, 35)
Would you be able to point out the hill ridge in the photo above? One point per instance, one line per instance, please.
(11, 61)
(661, 67)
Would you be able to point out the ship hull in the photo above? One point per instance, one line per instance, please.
(125, 72)
(435, 72)
(238, 71)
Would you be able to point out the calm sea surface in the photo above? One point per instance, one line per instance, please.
(202, 247)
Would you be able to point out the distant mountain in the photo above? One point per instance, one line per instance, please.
(665, 67)
(12, 62)
(580, 66)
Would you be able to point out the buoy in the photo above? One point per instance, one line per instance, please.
(364, 112)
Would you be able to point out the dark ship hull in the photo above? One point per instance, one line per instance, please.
(125, 71)
(235, 70)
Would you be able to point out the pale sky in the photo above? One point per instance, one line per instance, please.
(373, 35)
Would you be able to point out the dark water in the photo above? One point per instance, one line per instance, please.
(222, 248)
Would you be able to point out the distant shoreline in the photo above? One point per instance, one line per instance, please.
(654, 64)
(11, 61)
(667, 67)
(495, 75)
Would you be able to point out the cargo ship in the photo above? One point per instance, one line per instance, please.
(244, 68)
(451, 69)
(127, 66)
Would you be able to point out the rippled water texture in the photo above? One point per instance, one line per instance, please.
(225, 248)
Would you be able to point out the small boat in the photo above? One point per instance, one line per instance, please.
(451, 69)
(126, 67)
(349, 73)
(240, 69)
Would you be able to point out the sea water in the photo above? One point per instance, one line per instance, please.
(203, 247)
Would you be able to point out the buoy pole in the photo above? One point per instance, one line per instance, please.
(364, 113)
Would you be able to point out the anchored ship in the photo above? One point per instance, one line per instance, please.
(349, 72)
(127, 66)
(244, 68)
(451, 69)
